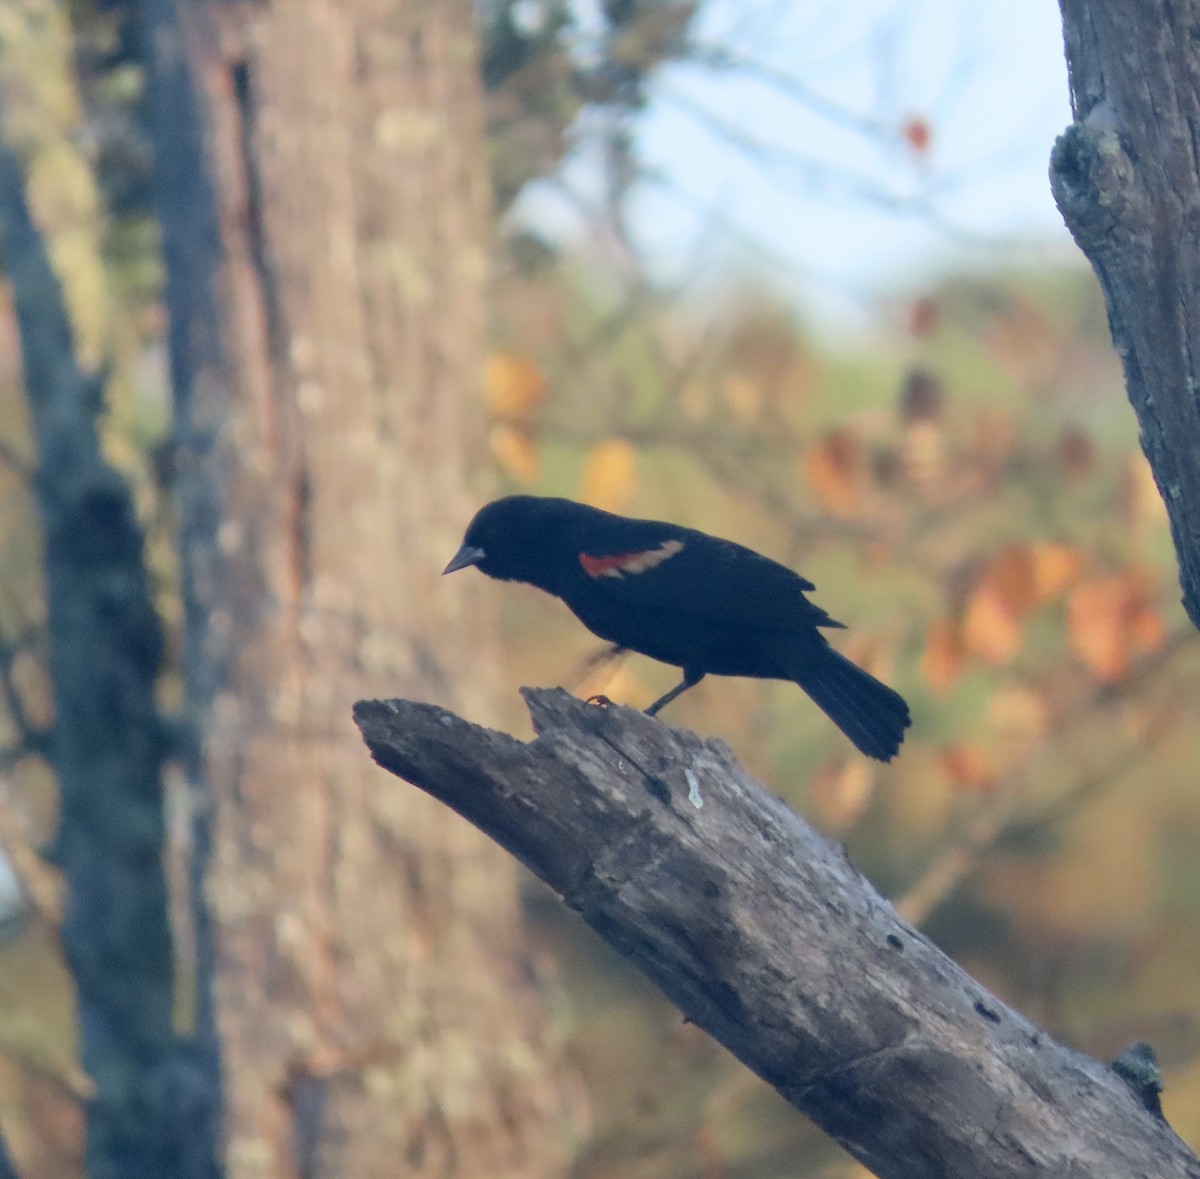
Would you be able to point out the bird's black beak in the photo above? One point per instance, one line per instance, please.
(469, 554)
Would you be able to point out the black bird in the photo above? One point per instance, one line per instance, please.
(705, 605)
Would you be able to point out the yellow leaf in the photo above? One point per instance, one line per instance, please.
(609, 475)
(515, 450)
(513, 385)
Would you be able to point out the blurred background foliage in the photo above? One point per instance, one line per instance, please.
(966, 492)
(962, 482)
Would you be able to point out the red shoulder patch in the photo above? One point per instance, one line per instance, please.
(626, 563)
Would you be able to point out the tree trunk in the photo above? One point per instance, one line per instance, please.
(106, 748)
(1126, 176)
(763, 934)
(324, 212)
(148, 1112)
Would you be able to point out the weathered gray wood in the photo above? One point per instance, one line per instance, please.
(764, 934)
(1126, 176)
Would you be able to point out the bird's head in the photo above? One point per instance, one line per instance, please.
(510, 538)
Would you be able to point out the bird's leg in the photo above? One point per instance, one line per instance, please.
(690, 680)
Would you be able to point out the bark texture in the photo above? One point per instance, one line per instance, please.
(324, 210)
(1126, 176)
(765, 935)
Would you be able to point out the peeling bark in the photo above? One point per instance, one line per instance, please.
(764, 934)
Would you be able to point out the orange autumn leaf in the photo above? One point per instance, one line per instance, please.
(609, 475)
(1147, 631)
(991, 630)
(515, 450)
(1111, 620)
(513, 385)
(1094, 627)
(942, 661)
(1003, 596)
(834, 468)
(969, 766)
(1055, 568)
(840, 791)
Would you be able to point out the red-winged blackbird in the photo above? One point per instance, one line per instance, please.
(680, 596)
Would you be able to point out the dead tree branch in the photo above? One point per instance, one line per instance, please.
(763, 933)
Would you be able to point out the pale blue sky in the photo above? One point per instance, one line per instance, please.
(831, 205)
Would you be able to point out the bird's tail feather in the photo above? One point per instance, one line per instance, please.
(870, 713)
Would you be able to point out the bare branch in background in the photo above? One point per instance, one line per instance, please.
(724, 59)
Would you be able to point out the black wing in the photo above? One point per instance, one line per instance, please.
(661, 567)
